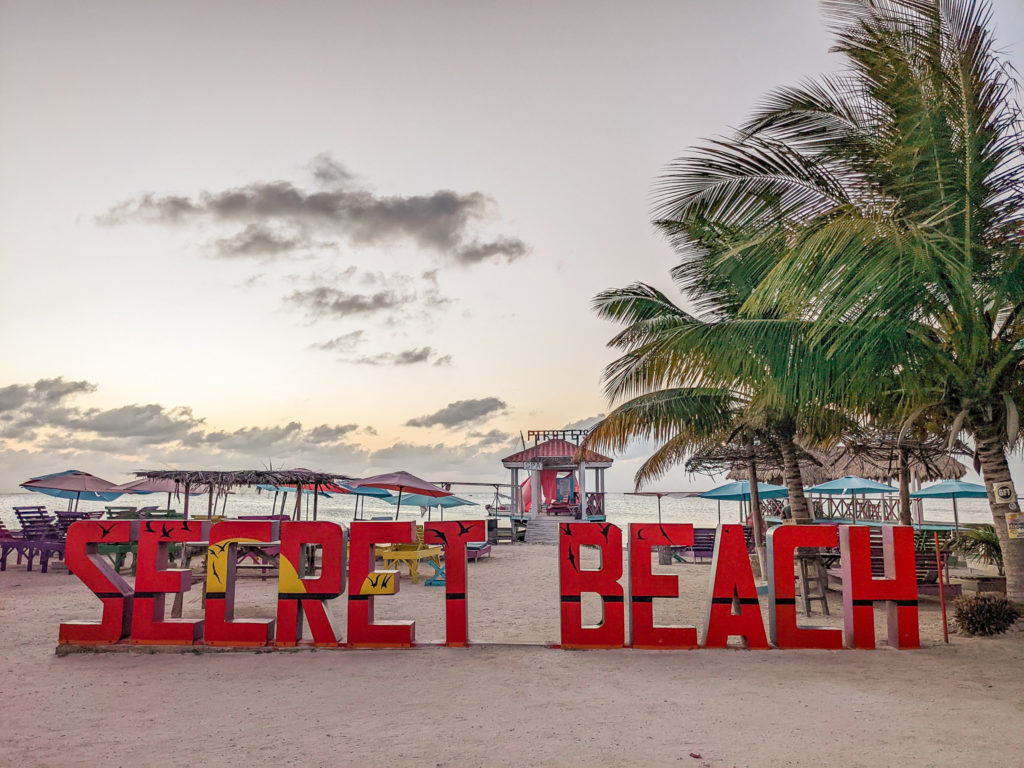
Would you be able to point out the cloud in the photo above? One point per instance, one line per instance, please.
(460, 412)
(329, 171)
(405, 357)
(586, 423)
(258, 240)
(41, 426)
(467, 461)
(326, 301)
(443, 221)
(151, 423)
(344, 343)
(509, 248)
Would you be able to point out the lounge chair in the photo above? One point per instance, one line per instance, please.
(40, 537)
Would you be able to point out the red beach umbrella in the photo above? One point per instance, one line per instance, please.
(401, 482)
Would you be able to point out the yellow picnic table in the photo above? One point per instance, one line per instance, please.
(411, 554)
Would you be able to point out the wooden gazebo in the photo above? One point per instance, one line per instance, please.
(558, 450)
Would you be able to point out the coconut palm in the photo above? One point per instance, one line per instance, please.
(900, 186)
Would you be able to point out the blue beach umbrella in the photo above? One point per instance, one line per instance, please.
(851, 486)
(952, 489)
(419, 500)
(740, 491)
(847, 486)
(74, 484)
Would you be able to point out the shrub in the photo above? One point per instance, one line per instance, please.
(984, 614)
(980, 544)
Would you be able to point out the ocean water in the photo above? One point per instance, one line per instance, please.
(621, 509)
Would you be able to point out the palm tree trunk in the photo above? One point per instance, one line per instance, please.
(794, 481)
(994, 469)
(904, 467)
(757, 520)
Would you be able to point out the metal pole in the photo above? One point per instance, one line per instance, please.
(956, 518)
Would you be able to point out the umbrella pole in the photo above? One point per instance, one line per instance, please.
(398, 508)
(956, 518)
(659, 510)
(316, 492)
(719, 511)
(187, 484)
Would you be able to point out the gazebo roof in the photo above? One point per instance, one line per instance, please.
(228, 478)
(556, 453)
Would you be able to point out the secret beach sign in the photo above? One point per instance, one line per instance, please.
(137, 615)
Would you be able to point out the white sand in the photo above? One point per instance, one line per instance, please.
(960, 704)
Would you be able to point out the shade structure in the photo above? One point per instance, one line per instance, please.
(952, 489)
(160, 485)
(847, 486)
(74, 485)
(325, 492)
(400, 481)
(740, 491)
(421, 500)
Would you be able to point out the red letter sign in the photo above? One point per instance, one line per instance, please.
(782, 627)
(610, 633)
(364, 583)
(95, 571)
(733, 588)
(644, 585)
(453, 537)
(294, 590)
(860, 589)
(222, 628)
(153, 580)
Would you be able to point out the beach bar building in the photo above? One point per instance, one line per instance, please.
(557, 473)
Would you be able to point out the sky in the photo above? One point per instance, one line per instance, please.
(351, 236)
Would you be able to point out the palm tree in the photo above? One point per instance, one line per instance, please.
(899, 184)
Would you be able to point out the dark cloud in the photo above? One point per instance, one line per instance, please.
(493, 437)
(150, 423)
(325, 301)
(460, 412)
(445, 361)
(344, 343)
(258, 240)
(508, 248)
(405, 357)
(329, 171)
(40, 423)
(330, 435)
(442, 221)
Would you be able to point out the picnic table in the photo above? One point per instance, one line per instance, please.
(411, 555)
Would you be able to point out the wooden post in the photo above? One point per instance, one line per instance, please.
(583, 489)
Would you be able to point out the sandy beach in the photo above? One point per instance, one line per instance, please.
(502, 702)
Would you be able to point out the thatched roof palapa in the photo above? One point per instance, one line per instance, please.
(230, 478)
